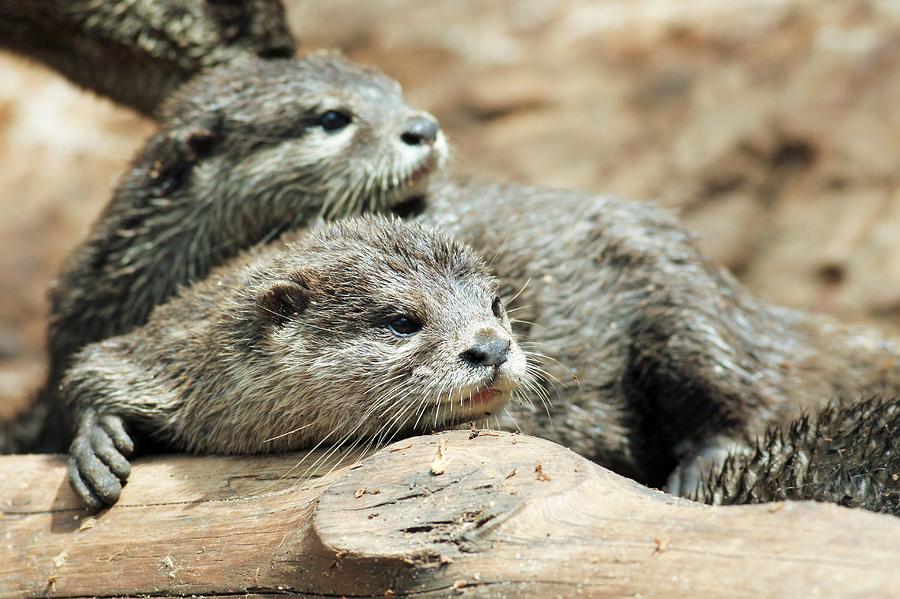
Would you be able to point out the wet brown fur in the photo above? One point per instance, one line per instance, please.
(662, 360)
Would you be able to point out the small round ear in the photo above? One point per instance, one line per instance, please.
(282, 301)
(175, 152)
(197, 140)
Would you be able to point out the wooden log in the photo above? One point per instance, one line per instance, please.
(509, 516)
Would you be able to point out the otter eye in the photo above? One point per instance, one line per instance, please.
(404, 326)
(333, 120)
(496, 307)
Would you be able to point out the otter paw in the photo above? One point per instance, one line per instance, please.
(98, 459)
(692, 470)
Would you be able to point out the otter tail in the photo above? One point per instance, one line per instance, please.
(139, 53)
(849, 454)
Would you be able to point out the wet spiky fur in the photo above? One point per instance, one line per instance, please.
(847, 454)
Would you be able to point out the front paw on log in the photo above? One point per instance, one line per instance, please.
(98, 459)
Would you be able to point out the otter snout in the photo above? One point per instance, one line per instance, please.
(491, 352)
(419, 130)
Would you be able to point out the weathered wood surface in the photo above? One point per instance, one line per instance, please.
(490, 525)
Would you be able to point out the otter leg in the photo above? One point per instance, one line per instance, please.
(698, 385)
(98, 459)
(109, 395)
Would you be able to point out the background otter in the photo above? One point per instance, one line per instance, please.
(847, 454)
(344, 141)
(357, 331)
(157, 45)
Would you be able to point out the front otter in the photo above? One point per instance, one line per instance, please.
(362, 329)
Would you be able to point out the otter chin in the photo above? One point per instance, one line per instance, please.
(479, 403)
(348, 334)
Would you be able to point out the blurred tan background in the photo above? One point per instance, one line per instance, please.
(772, 127)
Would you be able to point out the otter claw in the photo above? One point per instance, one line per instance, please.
(692, 470)
(116, 430)
(685, 479)
(81, 489)
(104, 449)
(98, 465)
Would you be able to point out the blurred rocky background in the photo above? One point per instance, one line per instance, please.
(772, 127)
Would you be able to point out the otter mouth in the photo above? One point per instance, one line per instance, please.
(420, 173)
(410, 207)
(478, 402)
(482, 401)
(413, 185)
(484, 396)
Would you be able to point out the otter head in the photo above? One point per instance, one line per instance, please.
(298, 138)
(387, 328)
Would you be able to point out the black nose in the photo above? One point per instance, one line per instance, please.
(487, 353)
(420, 130)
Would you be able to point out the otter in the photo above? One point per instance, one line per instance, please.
(139, 53)
(245, 153)
(847, 454)
(658, 362)
(362, 329)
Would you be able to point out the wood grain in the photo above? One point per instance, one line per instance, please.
(492, 525)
